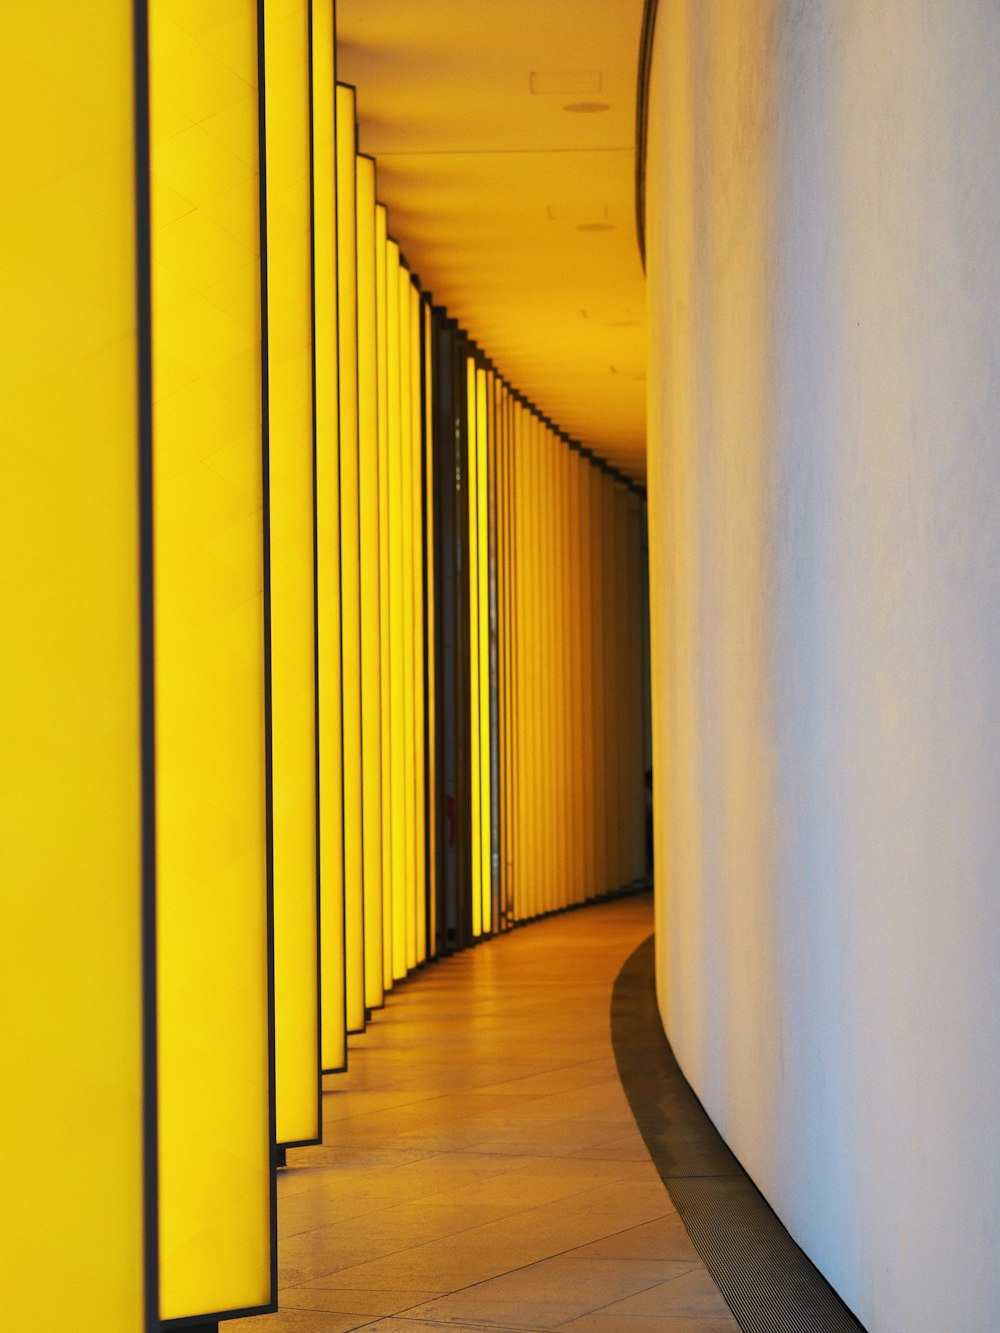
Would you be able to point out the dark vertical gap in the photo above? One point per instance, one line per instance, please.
(147, 705)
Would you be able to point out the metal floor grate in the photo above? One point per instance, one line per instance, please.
(770, 1285)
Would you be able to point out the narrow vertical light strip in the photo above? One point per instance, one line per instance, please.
(625, 695)
(530, 767)
(419, 612)
(577, 714)
(601, 882)
(430, 631)
(512, 866)
(325, 372)
(214, 1014)
(350, 557)
(560, 539)
(519, 634)
(562, 525)
(71, 709)
(382, 365)
(371, 610)
(554, 824)
(515, 635)
(483, 445)
(293, 688)
(501, 579)
(637, 584)
(614, 716)
(586, 715)
(397, 766)
(475, 771)
(407, 592)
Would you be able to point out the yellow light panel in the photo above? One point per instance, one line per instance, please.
(293, 629)
(610, 710)
(483, 444)
(70, 784)
(397, 683)
(587, 701)
(350, 558)
(331, 830)
(419, 604)
(371, 623)
(597, 658)
(382, 351)
(431, 625)
(215, 1122)
(407, 585)
(475, 766)
(577, 717)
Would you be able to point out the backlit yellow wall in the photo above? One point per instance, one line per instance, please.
(212, 909)
(350, 556)
(292, 556)
(70, 783)
(369, 534)
(328, 606)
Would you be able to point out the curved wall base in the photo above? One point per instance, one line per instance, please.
(768, 1282)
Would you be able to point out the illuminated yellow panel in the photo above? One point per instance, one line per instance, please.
(550, 704)
(407, 587)
(576, 714)
(371, 629)
(505, 569)
(430, 718)
(417, 561)
(350, 558)
(397, 767)
(516, 636)
(587, 684)
(293, 678)
(601, 880)
(382, 349)
(527, 676)
(610, 710)
(331, 832)
(475, 768)
(481, 494)
(70, 783)
(638, 756)
(216, 1212)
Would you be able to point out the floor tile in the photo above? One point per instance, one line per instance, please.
(546, 1294)
(693, 1294)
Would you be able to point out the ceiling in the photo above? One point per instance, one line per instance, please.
(516, 212)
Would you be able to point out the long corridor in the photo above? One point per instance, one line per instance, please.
(482, 1169)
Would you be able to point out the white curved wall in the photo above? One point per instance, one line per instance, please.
(823, 257)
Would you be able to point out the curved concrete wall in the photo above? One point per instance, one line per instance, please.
(823, 255)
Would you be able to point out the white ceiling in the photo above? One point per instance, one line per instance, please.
(517, 214)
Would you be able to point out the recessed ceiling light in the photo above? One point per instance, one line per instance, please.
(596, 226)
(587, 106)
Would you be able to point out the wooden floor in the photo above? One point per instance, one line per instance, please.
(481, 1168)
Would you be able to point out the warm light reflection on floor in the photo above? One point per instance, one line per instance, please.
(482, 1168)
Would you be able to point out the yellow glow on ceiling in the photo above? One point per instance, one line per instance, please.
(516, 214)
